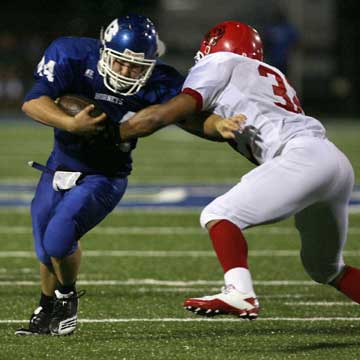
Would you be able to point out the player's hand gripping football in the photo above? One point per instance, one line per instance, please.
(85, 124)
(228, 126)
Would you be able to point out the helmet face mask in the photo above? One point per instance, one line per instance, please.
(232, 36)
(124, 85)
(132, 40)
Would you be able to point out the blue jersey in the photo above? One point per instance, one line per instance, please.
(69, 66)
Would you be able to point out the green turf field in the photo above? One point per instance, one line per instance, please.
(139, 266)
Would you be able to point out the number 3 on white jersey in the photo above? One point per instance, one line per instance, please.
(293, 104)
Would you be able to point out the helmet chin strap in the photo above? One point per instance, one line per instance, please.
(102, 34)
(122, 88)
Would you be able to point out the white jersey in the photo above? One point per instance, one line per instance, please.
(228, 84)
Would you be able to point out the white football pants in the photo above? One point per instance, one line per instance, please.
(311, 179)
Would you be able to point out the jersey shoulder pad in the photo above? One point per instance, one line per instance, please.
(73, 47)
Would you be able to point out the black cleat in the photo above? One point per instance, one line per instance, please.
(38, 324)
(64, 315)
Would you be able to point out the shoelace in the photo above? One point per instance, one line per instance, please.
(39, 318)
(60, 304)
(80, 293)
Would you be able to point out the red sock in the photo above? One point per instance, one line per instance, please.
(229, 244)
(349, 284)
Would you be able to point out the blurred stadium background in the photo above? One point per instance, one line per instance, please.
(126, 315)
(324, 64)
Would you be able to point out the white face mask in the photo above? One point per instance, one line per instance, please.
(121, 84)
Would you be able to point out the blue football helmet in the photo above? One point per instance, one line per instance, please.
(132, 39)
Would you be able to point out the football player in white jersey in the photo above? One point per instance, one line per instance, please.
(300, 172)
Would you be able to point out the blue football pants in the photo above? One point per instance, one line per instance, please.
(61, 218)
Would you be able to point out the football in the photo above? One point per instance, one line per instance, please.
(73, 104)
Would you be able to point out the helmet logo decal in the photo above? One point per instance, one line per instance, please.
(133, 54)
(111, 30)
(232, 36)
(212, 37)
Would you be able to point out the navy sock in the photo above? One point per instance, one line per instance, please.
(66, 289)
(46, 302)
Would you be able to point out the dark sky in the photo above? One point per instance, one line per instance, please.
(50, 19)
(67, 16)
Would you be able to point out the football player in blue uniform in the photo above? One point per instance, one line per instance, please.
(86, 173)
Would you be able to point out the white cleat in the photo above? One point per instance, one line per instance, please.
(229, 301)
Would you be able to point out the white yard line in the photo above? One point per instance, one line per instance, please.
(167, 254)
(321, 303)
(127, 320)
(154, 230)
(125, 211)
(165, 230)
(154, 282)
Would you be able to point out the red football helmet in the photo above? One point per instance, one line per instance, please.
(232, 36)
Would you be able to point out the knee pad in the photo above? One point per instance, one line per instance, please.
(320, 273)
(38, 234)
(214, 212)
(318, 277)
(60, 238)
(205, 217)
(41, 255)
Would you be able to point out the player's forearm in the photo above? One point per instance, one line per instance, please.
(44, 110)
(148, 120)
(195, 125)
(143, 123)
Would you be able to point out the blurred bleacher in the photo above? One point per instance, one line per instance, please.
(323, 66)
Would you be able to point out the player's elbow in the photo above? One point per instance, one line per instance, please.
(25, 107)
(28, 106)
